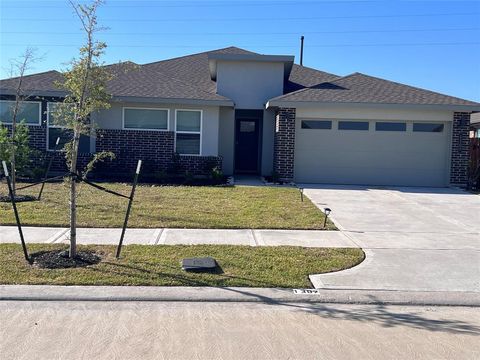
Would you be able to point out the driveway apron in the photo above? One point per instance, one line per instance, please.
(416, 239)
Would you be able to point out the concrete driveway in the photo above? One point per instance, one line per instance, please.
(424, 239)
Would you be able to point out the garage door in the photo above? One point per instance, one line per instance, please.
(372, 152)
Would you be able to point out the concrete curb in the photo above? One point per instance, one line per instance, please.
(235, 294)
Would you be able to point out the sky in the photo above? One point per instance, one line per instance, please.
(429, 44)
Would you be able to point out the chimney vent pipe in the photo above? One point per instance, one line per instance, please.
(301, 50)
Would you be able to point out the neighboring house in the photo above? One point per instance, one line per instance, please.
(474, 171)
(263, 114)
(475, 125)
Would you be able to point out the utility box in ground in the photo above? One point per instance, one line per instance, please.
(199, 264)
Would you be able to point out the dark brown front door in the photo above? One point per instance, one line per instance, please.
(246, 145)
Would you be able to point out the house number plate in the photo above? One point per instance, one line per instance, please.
(306, 291)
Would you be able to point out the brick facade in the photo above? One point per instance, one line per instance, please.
(154, 148)
(284, 143)
(59, 163)
(37, 136)
(37, 141)
(199, 165)
(460, 149)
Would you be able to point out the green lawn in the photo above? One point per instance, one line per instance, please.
(172, 206)
(286, 267)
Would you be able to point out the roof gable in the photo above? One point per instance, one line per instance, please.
(193, 68)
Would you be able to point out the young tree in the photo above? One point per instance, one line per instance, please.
(85, 85)
(16, 149)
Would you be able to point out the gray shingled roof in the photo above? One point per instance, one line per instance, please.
(361, 88)
(185, 77)
(139, 81)
(44, 81)
(188, 77)
(302, 76)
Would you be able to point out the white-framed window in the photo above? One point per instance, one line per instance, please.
(135, 118)
(188, 131)
(55, 130)
(28, 111)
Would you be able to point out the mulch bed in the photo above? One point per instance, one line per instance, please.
(18, 198)
(59, 259)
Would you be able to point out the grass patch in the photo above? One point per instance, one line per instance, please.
(239, 207)
(284, 266)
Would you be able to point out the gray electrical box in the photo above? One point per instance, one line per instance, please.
(199, 264)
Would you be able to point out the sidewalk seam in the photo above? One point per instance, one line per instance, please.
(255, 241)
(54, 238)
(157, 234)
(162, 239)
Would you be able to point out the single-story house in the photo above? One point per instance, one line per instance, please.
(263, 114)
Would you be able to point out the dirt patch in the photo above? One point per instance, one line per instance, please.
(59, 259)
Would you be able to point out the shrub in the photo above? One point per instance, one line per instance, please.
(216, 174)
(19, 146)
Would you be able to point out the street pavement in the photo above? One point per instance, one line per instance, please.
(216, 330)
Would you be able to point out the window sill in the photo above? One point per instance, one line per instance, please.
(138, 129)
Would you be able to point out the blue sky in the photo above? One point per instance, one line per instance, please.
(430, 44)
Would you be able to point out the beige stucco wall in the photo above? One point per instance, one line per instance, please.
(362, 113)
(226, 143)
(249, 84)
(267, 141)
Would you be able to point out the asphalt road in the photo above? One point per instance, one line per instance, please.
(215, 330)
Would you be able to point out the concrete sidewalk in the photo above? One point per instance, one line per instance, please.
(305, 238)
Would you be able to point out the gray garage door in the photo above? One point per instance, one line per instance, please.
(372, 152)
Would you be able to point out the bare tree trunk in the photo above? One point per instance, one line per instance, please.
(73, 195)
(73, 218)
(22, 66)
(13, 175)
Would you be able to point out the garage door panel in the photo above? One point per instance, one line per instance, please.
(363, 176)
(370, 160)
(372, 157)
